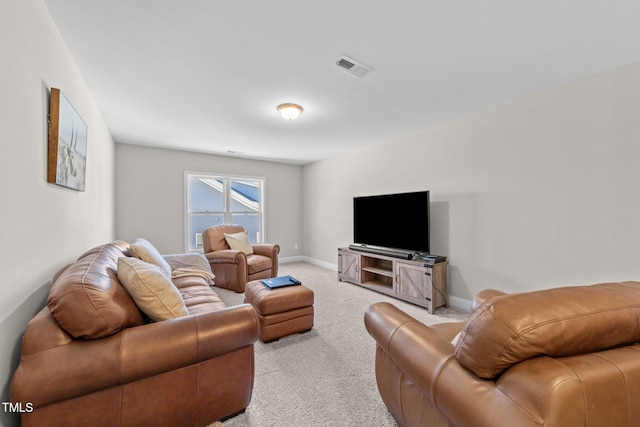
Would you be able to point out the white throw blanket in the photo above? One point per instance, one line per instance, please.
(190, 265)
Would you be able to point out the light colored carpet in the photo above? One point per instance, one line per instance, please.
(324, 377)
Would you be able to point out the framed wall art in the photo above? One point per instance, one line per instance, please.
(67, 162)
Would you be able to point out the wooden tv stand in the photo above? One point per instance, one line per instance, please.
(407, 280)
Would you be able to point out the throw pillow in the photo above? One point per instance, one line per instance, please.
(239, 241)
(151, 290)
(145, 251)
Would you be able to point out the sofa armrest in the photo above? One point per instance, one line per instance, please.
(86, 366)
(271, 251)
(226, 256)
(266, 249)
(483, 296)
(165, 346)
(427, 360)
(419, 351)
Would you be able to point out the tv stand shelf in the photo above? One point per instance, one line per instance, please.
(378, 271)
(407, 280)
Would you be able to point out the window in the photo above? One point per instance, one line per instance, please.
(222, 199)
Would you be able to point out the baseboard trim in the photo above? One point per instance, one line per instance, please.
(302, 258)
(289, 259)
(320, 263)
(460, 303)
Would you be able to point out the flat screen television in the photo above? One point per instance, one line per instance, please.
(393, 221)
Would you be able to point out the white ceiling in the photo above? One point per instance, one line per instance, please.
(207, 75)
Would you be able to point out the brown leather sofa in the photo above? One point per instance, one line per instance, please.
(91, 357)
(234, 267)
(563, 357)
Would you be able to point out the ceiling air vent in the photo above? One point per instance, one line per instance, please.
(352, 66)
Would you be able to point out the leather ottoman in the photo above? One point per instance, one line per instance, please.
(281, 311)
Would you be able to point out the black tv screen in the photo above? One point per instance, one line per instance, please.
(396, 221)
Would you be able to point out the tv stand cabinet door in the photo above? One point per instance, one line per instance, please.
(413, 284)
(348, 266)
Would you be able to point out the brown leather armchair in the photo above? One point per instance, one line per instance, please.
(562, 357)
(234, 268)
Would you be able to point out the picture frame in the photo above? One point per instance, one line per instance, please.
(67, 151)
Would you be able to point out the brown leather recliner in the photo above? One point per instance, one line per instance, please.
(563, 357)
(234, 268)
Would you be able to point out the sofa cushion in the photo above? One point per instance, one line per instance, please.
(145, 251)
(258, 263)
(198, 295)
(239, 241)
(118, 244)
(150, 288)
(88, 301)
(567, 321)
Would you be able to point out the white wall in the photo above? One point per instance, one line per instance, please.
(43, 226)
(150, 195)
(536, 193)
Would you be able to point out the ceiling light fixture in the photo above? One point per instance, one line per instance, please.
(290, 111)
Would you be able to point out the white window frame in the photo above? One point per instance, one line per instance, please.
(228, 194)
